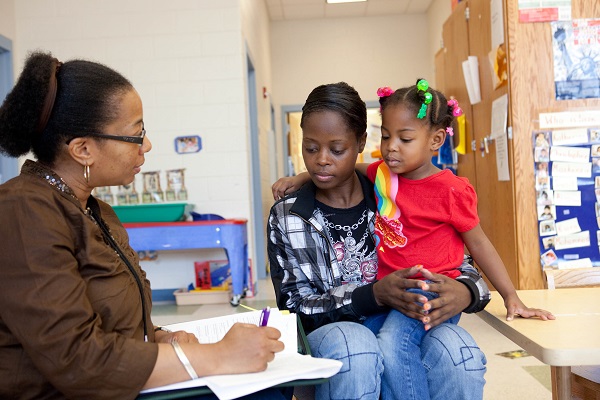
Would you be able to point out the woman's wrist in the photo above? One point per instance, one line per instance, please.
(161, 333)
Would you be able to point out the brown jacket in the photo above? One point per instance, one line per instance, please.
(70, 311)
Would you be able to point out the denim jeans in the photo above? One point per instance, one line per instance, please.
(356, 347)
(447, 358)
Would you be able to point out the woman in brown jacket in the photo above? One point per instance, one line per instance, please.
(74, 303)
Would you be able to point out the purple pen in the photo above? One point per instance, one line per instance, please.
(264, 316)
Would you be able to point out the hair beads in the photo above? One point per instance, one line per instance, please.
(456, 110)
(422, 86)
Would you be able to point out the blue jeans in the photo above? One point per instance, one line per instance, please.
(356, 347)
(447, 358)
(454, 366)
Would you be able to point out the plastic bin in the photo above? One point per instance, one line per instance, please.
(205, 217)
(156, 212)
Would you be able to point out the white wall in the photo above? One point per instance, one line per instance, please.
(186, 58)
(7, 18)
(366, 52)
(256, 32)
(437, 14)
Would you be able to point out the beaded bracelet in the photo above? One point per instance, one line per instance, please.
(184, 360)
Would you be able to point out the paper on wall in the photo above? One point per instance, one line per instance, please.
(575, 264)
(471, 74)
(581, 170)
(568, 226)
(499, 118)
(570, 154)
(581, 239)
(564, 183)
(569, 136)
(568, 119)
(567, 198)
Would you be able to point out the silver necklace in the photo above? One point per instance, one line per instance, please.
(346, 228)
(350, 253)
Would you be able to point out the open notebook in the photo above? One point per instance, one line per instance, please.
(288, 365)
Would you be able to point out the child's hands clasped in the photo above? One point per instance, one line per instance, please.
(514, 306)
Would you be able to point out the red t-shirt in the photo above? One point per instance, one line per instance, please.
(420, 221)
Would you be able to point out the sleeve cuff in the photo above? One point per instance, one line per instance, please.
(364, 303)
(478, 299)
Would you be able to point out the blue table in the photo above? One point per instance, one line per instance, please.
(229, 234)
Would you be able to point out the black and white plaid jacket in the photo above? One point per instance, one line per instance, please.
(307, 275)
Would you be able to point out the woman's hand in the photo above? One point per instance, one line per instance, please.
(453, 298)
(244, 348)
(179, 336)
(514, 306)
(247, 348)
(288, 184)
(391, 291)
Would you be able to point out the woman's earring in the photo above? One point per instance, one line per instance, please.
(86, 173)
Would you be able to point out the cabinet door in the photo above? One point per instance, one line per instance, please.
(450, 80)
(468, 33)
(496, 204)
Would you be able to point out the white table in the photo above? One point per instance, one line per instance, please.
(572, 339)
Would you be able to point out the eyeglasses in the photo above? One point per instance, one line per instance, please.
(129, 139)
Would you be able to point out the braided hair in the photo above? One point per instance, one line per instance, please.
(439, 113)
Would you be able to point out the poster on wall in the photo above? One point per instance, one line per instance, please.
(544, 10)
(576, 55)
(567, 184)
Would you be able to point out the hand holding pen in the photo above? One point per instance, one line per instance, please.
(248, 347)
(264, 316)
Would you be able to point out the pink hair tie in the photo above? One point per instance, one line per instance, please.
(456, 110)
(385, 91)
(450, 131)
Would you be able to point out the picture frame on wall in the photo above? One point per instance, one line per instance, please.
(188, 144)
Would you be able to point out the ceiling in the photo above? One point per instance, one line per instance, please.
(287, 10)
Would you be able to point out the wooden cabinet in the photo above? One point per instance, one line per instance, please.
(507, 208)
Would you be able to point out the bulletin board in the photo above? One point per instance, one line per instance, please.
(567, 184)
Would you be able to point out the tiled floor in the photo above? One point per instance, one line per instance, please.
(519, 378)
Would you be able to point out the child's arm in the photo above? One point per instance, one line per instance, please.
(289, 184)
(487, 258)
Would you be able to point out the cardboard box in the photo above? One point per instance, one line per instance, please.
(212, 296)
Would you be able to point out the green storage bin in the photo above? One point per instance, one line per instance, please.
(155, 212)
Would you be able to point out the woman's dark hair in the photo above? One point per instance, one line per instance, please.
(342, 99)
(86, 96)
(439, 113)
